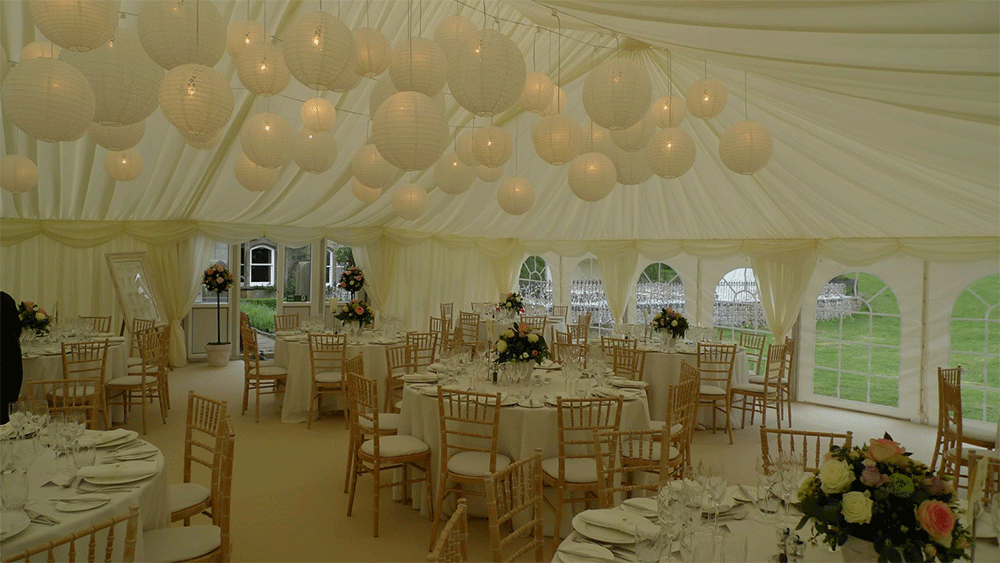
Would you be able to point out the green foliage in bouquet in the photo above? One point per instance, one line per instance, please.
(520, 343)
(33, 317)
(352, 279)
(356, 310)
(671, 321)
(511, 303)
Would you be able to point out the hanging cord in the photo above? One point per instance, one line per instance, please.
(534, 41)
(368, 13)
(746, 115)
(197, 30)
(409, 36)
(706, 67)
(485, 17)
(517, 133)
(670, 88)
(248, 9)
(559, 56)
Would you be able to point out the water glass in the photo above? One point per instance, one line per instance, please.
(84, 453)
(698, 545)
(649, 550)
(734, 548)
(767, 478)
(23, 452)
(14, 489)
(583, 387)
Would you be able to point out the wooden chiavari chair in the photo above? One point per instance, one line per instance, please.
(205, 429)
(561, 312)
(536, 322)
(952, 434)
(327, 353)
(578, 334)
(609, 344)
(100, 324)
(516, 492)
(145, 381)
(448, 312)
(244, 319)
(138, 325)
(469, 325)
(757, 397)
(452, 546)
(715, 364)
(425, 345)
(86, 363)
(442, 329)
(628, 362)
(110, 541)
(399, 361)
(812, 445)
(754, 345)
(286, 322)
(984, 484)
(388, 421)
(258, 375)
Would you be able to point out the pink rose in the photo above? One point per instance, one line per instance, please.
(934, 485)
(872, 478)
(937, 519)
(359, 310)
(218, 267)
(882, 449)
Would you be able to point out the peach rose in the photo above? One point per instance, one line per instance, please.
(937, 519)
(359, 310)
(882, 449)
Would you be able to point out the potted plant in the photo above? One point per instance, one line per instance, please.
(218, 279)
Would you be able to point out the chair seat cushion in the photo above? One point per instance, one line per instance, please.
(399, 405)
(329, 377)
(654, 451)
(130, 381)
(270, 371)
(395, 446)
(186, 495)
(266, 363)
(753, 388)
(475, 464)
(578, 470)
(712, 390)
(137, 369)
(78, 391)
(167, 545)
(386, 421)
(979, 434)
(133, 361)
(658, 425)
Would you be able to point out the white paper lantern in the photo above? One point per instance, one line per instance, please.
(268, 140)
(595, 138)
(346, 83)
(374, 52)
(418, 65)
(537, 93)
(205, 141)
(557, 139)
(261, 69)
(181, 33)
(746, 147)
(617, 93)
(409, 201)
(18, 174)
(410, 131)
(77, 25)
(196, 99)
(48, 99)
(463, 148)
(453, 177)
(315, 152)
(636, 137)
(318, 114)
(451, 32)
(319, 49)
(631, 168)
(118, 137)
(126, 81)
(40, 49)
(558, 103)
(670, 152)
(516, 195)
(371, 169)
(486, 73)
(706, 98)
(364, 193)
(487, 174)
(669, 111)
(592, 176)
(123, 166)
(254, 177)
(492, 146)
(243, 33)
(381, 91)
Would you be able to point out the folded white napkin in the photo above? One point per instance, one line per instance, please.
(581, 551)
(626, 394)
(435, 367)
(112, 435)
(123, 470)
(138, 450)
(626, 382)
(620, 520)
(642, 504)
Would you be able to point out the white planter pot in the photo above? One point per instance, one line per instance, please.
(218, 354)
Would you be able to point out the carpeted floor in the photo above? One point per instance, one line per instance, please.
(288, 501)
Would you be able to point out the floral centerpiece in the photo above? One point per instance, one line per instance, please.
(352, 279)
(521, 343)
(512, 303)
(877, 493)
(668, 320)
(34, 317)
(356, 310)
(218, 279)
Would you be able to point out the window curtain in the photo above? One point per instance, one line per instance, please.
(378, 260)
(782, 281)
(617, 266)
(505, 270)
(178, 269)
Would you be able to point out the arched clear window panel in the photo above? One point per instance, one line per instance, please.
(975, 345)
(534, 283)
(737, 306)
(587, 296)
(658, 287)
(338, 257)
(261, 266)
(298, 273)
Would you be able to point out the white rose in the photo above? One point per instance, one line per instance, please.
(532, 338)
(346, 308)
(40, 316)
(857, 507)
(673, 323)
(501, 346)
(524, 355)
(835, 476)
(509, 333)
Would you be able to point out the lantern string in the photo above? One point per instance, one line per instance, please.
(485, 18)
(409, 38)
(670, 88)
(559, 72)
(368, 13)
(745, 113)
(197, 30)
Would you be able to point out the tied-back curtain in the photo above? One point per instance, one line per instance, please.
(618, 276)
(378, 260)
(505, 270)
(782, 281)
(178, 269)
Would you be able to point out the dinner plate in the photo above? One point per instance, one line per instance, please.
(134, 456)
(508, 400)
(83, 503)
(548, 365)
(132, 435)
(530, 403)
(643, 506)
(600, 533)
(419, 378)
(626, 383)
(12, 523)
(119, 480)
(429, 390)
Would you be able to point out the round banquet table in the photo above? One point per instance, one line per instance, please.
(292, 352)
(152, 496)
(44, 362)
(489, 328)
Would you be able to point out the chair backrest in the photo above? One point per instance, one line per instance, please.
(715, 364)
(536, 322)
(327, 352)
(470, 422)
(364, 411)
(55, 392)
(561, 311)
(812, 445)
(789, 359)
(152, 352)
(950, 419)
(204, 429)
(452, 545)
(754, 345)
(986, 470)
(399, 361)
(609, 343)
(563, 338)
(579, 333)
(469, 325)
(139, 325)
(561, 352)
(682, 406)
(774, 369)
(100, 324)
(107, 545)
(425, 344)
(244, 319)
(448, 311)
(580, 423)
(286, 322)
(511, 492)
(584, 319)
(85, 360)
(251, 353)
(628, 362)
(222, 495)
(442, 328)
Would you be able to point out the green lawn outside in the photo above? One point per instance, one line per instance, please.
(261, 313)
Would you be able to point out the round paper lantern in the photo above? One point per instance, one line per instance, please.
(315, 152)
(118, 137)
(196, 99)
(558, 103)
(253, 177)
(492, 146)
(410, 131)
(453, 177)
(374, 52)
(371, 169)
(268, 140)
(319, 49)
(205, 141)
(182, 33)
(18, 174)
(537, 93)
(557, 138)
(616, 93)
(516, 195)
(347, 83)
(123, 166)
(595, 138)
(487, 174)
(636, 137)
(631, 168)
(592, 176)
(381, 92)
(126, 81)
(37, 49)
(451, 32)
(48, 99)
(363, 192)
(418, 65)
(463, 148)
(668, 111)
(706, 98)
(670, 152)
(409, 201)
(486, 72)
(318, 114)
(746, 147)
(78, 25)
(261, 68)
(243, 33)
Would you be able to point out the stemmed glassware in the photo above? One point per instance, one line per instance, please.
(714, 484)
(768, 477)
(791, 469)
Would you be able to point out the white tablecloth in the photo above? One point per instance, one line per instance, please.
(48, 365)
(663, 369)
(488, 333)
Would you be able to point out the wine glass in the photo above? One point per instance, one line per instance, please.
(767, 477)
(791, 468)
(18, 416)
(715, 485)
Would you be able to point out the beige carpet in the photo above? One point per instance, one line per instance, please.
(288, 500)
